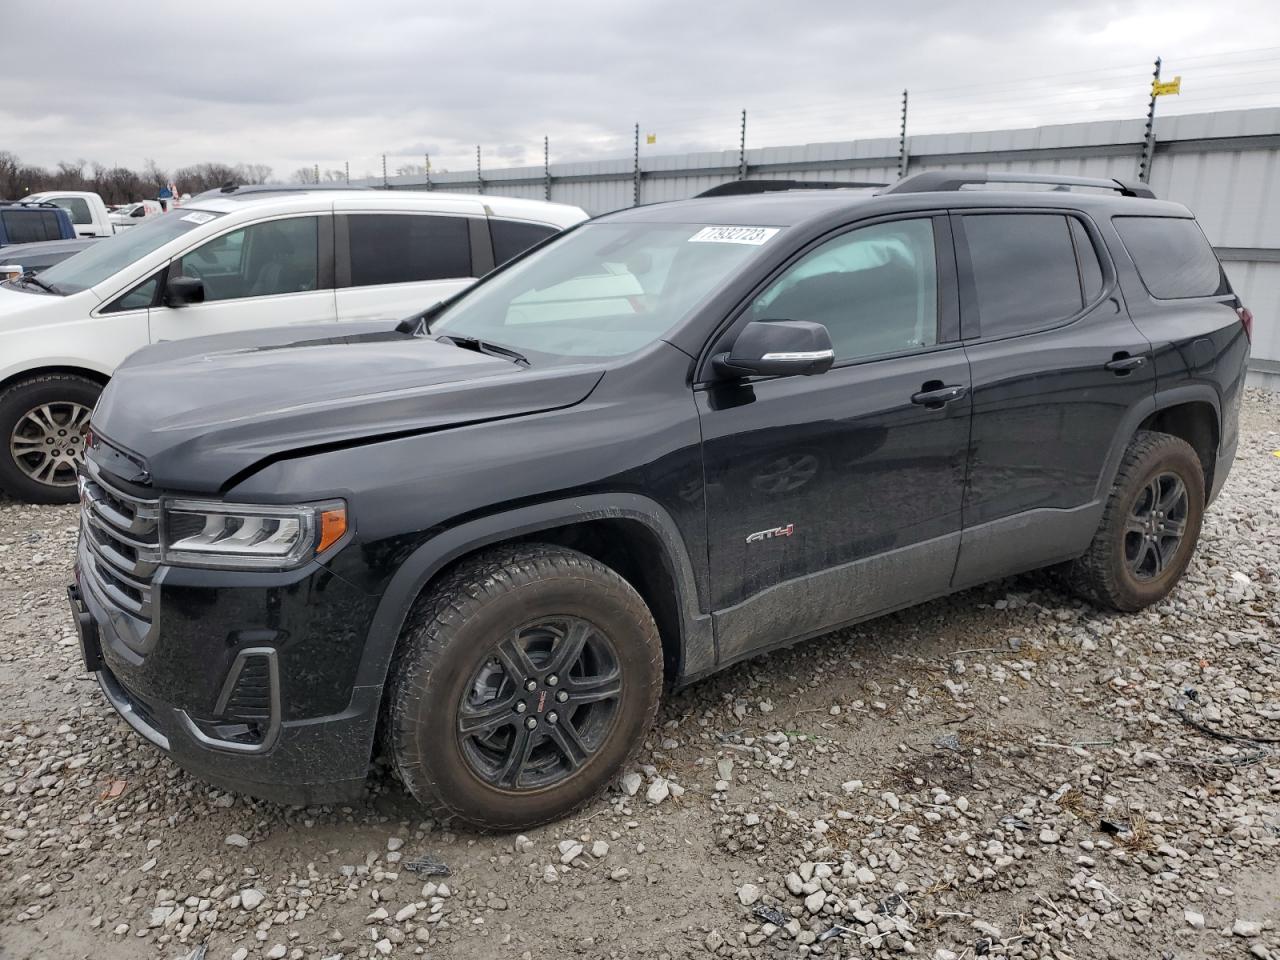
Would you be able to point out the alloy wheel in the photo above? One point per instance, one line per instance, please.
(1155, 526)
(47, 442)
(541, 705)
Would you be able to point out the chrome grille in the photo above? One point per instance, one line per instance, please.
(122, 533)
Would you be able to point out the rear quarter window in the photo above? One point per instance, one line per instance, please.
(1173, 257)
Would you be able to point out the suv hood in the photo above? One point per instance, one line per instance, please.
(200, 412)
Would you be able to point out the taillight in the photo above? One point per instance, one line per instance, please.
(1246, 321)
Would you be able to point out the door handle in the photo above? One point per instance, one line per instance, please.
(935, 394)
(1122, 363)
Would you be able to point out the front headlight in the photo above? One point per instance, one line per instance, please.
(209, 533)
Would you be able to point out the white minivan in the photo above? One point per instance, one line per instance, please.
(233, 259)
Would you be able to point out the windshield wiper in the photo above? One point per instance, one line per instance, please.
(35, 281)
(485, 346)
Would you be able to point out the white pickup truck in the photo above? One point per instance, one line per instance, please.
(88, 213)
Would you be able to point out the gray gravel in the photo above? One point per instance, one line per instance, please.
(1008, 773)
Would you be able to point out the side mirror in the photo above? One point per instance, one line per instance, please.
(179, 291)
(778, 348)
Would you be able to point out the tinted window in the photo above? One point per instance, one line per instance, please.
(511, 238)
(78, 207)
(1024, 268)
(30, 226)
(400, 248)
(262, 260)
(1173, 256)
(875, 290)
(139, 298)
(1087, 255)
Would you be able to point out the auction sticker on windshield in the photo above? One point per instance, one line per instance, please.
(195, 216)
(753, 236)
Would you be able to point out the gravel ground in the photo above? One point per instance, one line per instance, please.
(1007, 772)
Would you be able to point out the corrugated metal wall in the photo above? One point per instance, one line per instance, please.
(1224, 166)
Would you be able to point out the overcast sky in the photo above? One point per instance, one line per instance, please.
(293, 84)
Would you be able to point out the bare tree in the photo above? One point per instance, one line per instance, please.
(121, 184)
(256, 173)
(154, 176)
(206, 176)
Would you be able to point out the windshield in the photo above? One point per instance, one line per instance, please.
(604, 289)
(106, 257)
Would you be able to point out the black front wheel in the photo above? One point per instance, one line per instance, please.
(43, 423)
(524, 680)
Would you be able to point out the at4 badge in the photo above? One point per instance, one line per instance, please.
(771, 533)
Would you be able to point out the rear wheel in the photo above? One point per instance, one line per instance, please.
(1149, 527)
(524, 681)
(43, 422)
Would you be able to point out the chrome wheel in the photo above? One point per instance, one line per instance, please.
(1155, 526)
(541, 706)
(47, 442)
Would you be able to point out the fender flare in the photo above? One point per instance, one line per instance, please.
(1161, 400)
(441, 550)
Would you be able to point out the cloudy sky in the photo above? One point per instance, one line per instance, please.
(293, 84)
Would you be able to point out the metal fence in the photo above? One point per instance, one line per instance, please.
(1225, 166)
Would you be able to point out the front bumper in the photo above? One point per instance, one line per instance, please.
(314, 729)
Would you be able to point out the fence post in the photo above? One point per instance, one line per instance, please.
(546, 167)
(427, 157)
(479, 176)
(346, 169)
(317, 172)
(635, 186)
(1149, 140)
(385, 184)
(902, 139)
(742, 149)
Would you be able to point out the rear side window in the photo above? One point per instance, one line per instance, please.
(1024, 271)
(78, 207)
(512, 238)
(402, 248)
(30, 226)
(1173, 257)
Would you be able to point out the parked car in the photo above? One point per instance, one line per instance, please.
(33, 222)
(231, 260)
(88, 212)
(131, 214)
(35, 257)
(494, 537)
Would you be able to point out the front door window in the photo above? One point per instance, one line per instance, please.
(262, 260)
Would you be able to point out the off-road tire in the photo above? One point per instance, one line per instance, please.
(15, 401)
(1101, 575)
(452, 630)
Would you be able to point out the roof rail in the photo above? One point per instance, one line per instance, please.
(930, 181)
(240, 189)
(736, 188)
(28, 203)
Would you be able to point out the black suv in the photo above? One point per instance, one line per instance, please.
(668, 439)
